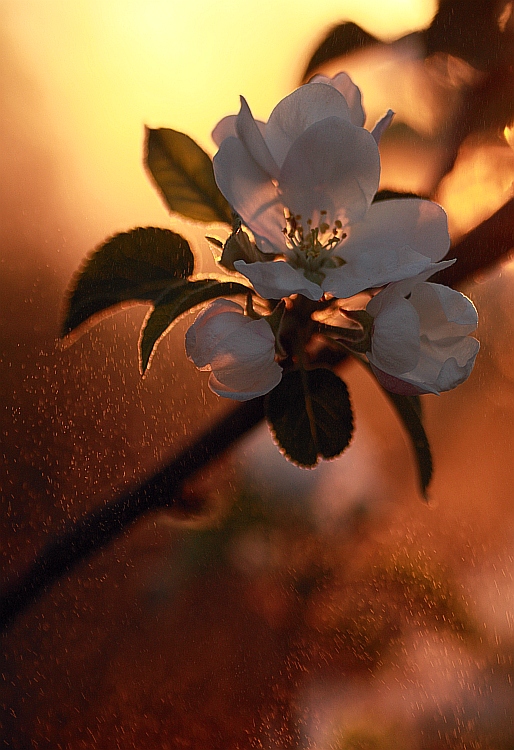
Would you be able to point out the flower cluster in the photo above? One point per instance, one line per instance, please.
(304, 184)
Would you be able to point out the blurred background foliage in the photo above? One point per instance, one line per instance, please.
(281, 608)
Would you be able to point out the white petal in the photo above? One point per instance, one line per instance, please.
(382, 125)
(227, 128)
(446, 353)
(452, 373)
(352, 93)
(250, 135)
(398, 385)
(369, 270)
(250, 191)
(212, 325)
(298, 111)
(444, 312)
(265, 385)
(334, 166)
(395, 344)
(405, 286)
(417, 224)
(224, 129)
(278, 279)
(244, 364)
(247, 344)
(436, 352)
(239, 351)
(437, 374)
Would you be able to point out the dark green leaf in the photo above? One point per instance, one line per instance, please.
(138, 265)
(310, 415)
(409, 411)
(175, 303)
(184, 175)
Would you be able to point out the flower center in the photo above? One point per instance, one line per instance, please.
(312, 248)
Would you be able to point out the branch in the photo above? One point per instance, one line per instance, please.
(480, 249)
(98, 528)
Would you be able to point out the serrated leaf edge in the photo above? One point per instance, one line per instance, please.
(193, 309)
(319, 458)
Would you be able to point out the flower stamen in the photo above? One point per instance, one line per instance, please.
(313, 248)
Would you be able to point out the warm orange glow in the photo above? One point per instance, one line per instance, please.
(333, 612)
(109, 68)
(480, 184)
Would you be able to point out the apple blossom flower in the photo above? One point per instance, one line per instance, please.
(304, 183)
(238, 351)
(420, 339)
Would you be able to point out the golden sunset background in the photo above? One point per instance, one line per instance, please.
(301, 609)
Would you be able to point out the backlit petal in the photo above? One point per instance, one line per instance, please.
(238, 350)
(382, 125)
(334, 166)
(395, 342)
(398, 385)
(252, 138)
(445, 312)
(212, 325)
(278, 279)
(453, 373)
(225, 128)
(243, 365)
(298, 111)
(446, 353)
(352, 93)
(417, 224)
(369, 270)
(250, 191)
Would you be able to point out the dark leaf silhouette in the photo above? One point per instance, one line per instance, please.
(133, 266)
(310, 415)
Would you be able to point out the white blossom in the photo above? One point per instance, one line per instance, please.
(238, 351)
(304, 183)
(420, 339)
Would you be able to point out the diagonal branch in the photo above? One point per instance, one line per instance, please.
(481, 248)
(98, 528)
(478, 250)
